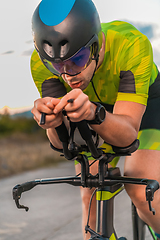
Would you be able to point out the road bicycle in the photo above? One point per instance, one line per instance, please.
(107, 183)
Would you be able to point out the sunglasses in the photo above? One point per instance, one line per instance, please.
(77, 63)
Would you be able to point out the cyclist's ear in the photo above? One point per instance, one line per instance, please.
(102, 51)
(103, 43)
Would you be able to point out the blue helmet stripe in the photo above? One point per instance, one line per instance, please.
(53, 12)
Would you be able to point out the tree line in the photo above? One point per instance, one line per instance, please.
(10, 124)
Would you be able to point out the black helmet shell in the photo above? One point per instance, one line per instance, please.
(63, 40)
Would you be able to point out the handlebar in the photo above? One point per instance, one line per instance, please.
(92, 181)
(86, 179)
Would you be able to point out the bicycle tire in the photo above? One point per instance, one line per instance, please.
(152, 233)
(139, 226)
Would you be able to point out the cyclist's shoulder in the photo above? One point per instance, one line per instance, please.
(36, 63)
(116, 24)
(119, 27)
(38, 70)
(122, 30)
(34, 56)
(123, 39)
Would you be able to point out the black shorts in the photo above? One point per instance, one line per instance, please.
(149, 133)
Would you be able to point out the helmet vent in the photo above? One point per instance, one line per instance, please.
(64, 48)
(48, 49)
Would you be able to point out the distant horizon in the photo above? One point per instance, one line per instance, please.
(12, 111)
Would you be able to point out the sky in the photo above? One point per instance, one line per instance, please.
(17, 87)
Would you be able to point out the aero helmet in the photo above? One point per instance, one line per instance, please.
(67, 34)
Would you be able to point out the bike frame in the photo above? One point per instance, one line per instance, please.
(105, 211)
(108, 183)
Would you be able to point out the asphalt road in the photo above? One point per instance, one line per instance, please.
(55, 210)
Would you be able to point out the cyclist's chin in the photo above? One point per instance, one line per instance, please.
(76, 81)
(84, 86)
(75, 84)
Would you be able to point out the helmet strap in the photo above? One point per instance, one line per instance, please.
(97, 59)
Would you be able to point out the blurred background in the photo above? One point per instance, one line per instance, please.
(23, 144)
(18, 92)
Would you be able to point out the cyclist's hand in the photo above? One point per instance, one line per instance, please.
(47, 106)
(80, 109)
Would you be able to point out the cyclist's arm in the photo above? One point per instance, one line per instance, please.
(53, 136)
(121, 127)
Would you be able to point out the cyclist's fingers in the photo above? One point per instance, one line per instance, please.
(48, 105)
(55, 101)
(78, 115)
(71, 101)
(42, 126)
(44, 108)
(64, 101)
(52, 103)
(75, 104)
(51, 120)
(37, 117)
(37, 114)
(79, 112)
(44, 105)
(60, 106)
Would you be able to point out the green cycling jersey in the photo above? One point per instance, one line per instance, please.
(126, 73)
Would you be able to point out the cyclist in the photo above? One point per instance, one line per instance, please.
(109, 64)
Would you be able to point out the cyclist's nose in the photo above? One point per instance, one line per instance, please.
(67, 78)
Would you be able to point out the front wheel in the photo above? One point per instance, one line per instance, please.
(139, 226)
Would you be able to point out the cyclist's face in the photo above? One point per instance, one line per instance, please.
(82, 79)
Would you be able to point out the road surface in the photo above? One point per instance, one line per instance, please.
(55, 210)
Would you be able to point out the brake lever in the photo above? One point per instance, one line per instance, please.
(17, 191)
(150, 189)
(150, 208)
